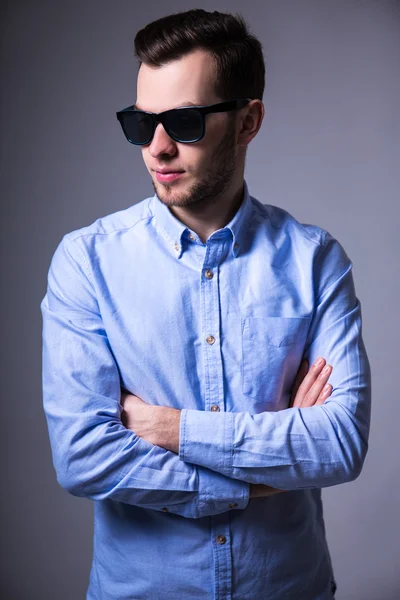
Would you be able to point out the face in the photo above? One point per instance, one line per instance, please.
(208, 165)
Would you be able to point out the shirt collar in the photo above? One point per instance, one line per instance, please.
(176, 233)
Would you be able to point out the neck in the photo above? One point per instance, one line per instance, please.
(205, 218)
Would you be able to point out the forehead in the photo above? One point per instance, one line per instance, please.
(188, 80)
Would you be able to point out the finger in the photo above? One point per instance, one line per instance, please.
(275, 491)
(301, 373)
(325, 393)
(259, 490)
(308, 381)
(131, 398)
(123, 398)
(137, 399)
(317, 387)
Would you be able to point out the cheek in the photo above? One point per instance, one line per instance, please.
(215, 128)
(145, 156)
(190, 156)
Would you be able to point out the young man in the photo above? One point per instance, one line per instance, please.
(177, 339)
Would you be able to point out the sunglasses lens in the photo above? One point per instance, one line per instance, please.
(137, 126)
(185, 125)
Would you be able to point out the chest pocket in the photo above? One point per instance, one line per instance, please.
(272, 349)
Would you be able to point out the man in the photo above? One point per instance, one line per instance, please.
(177, 340)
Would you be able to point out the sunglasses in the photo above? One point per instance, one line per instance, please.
(185, 124)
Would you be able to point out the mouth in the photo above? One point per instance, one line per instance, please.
(168, 176)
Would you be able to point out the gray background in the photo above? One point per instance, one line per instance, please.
(328, 151)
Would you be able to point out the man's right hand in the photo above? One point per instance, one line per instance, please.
(310, 388)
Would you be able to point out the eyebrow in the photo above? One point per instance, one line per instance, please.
(136, 107)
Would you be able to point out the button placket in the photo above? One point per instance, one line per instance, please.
(220, 531)
(210, 320)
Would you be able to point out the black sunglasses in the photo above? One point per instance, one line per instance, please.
(185, 124)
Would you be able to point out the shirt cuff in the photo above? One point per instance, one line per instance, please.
(206, 438)
(218, 493)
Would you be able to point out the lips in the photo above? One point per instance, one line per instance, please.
(165, 171)
(166, 176)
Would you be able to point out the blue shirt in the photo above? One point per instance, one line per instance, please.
(218, 330)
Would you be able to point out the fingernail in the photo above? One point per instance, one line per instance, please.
(326, 388)
(326, 369)
(319, 362)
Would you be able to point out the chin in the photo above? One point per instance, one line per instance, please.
(164, 192)
(167, 189)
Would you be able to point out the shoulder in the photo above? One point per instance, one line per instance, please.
(282, 224)
(114, 223)
(309, 243)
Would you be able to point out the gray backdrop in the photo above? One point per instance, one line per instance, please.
(328, 151)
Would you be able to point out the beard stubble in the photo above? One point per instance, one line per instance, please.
(218, 179)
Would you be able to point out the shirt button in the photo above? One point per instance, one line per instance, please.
(191, 236)
(176, 246)
(209, 274)
(215, 408)
(210, 339)
(164, 509)
(232, 505)
(221, 539)
(236, 245)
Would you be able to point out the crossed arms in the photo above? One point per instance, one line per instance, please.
(97, 457)
(160, 425)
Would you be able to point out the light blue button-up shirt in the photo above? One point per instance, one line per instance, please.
(218, 329)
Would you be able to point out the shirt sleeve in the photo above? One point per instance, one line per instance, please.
(299, 448)
(94, 455)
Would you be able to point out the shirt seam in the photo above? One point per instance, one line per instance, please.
(117, 229)
(320, 240)
(85, 264)
(183, 417)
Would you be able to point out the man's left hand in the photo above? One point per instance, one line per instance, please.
(158, 425)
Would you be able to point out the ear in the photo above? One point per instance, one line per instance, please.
(250, 121)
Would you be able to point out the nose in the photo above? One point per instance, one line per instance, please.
(161, 142)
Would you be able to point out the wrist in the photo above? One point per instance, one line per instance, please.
(168, 425)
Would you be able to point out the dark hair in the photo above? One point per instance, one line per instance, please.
(239, 68)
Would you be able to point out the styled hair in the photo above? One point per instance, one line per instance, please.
(239, 69)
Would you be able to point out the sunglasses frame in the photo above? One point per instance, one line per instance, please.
(163, 116)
